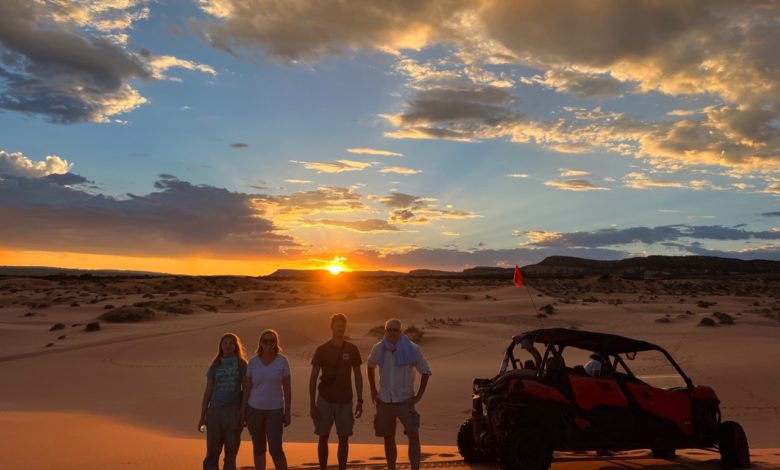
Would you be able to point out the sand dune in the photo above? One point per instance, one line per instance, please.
(136, 388)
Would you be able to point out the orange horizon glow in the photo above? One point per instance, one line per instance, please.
(187, 266)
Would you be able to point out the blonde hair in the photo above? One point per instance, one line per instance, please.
(240, 350)
(277, 346)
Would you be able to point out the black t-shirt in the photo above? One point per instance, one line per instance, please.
(336, 363)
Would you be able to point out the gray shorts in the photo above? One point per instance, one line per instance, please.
(340, 413)
(265, 425)
(387, 413)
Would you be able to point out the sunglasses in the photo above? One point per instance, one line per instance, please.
(392, 329)
(268, 340)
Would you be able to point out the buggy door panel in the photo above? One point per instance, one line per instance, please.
(605, 406)
(673, 407)
(590, 392)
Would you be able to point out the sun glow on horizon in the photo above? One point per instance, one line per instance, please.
(336, 265)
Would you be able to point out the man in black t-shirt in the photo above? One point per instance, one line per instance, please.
(335, 362)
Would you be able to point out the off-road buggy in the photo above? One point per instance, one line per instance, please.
(541, 404)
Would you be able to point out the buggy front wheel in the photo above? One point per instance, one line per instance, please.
(733, 444)
(526, 449)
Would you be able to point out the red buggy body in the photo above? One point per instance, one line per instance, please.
(539, 405)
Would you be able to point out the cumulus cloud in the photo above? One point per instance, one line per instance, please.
(17, 164)
(636, 180)
(305, 31)
(177, 219)
(296, 181)
(575, 185)
(370, 151)
(580, 84)
(339, 166)
(461, 114)
(518, 175)
(55, 65)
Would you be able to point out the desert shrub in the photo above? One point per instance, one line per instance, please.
(707, 321)
(208, 308)
(663, 320)
(548, 309)
(724, 318)
(108, 307)
(57, 326)
(92, 326)
(705, 304)
(415, 334)
(128, 314)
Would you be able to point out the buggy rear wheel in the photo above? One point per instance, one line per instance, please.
(467, 447)
(526, 449)
(733, 444)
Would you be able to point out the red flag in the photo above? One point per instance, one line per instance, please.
(518, 279)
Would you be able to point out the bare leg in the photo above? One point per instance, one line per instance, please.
(322, 452)
(343, 452)
(260, 462)
(414, 450)
(280, 461)
(391, 452)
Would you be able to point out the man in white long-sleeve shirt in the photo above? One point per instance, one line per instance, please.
(397, 358)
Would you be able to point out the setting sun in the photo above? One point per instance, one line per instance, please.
(335, 269)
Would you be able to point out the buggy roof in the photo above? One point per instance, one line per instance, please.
(587, 340)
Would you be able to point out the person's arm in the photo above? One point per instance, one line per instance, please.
(287, 399)
(423, 384)
(246, 388)
(314, 412)
(372, 384)
(205, 403)
(358, 390)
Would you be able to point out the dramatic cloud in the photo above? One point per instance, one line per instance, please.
(402, 200)
(16, 164)
(239, 145)
(369, 151)
(295, 181)
(178, 219)
(670, 233)
(371, 225)
(339, 166)
(579, 84)
(518, 175)
(50, 67)
(324, 200)
(575, 185)
(771, 214)
(301, 30)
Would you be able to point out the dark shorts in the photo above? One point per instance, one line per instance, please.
(339, 413)
(387, 413)
(265, 426)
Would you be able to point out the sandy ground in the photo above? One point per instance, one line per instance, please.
(128, 396)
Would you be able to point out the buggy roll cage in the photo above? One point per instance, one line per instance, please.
(557, 339)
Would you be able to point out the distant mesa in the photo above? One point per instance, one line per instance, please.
(43, 271)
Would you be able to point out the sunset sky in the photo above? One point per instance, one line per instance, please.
(244, 136)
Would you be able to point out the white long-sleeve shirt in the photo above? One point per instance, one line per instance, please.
(396, 383)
